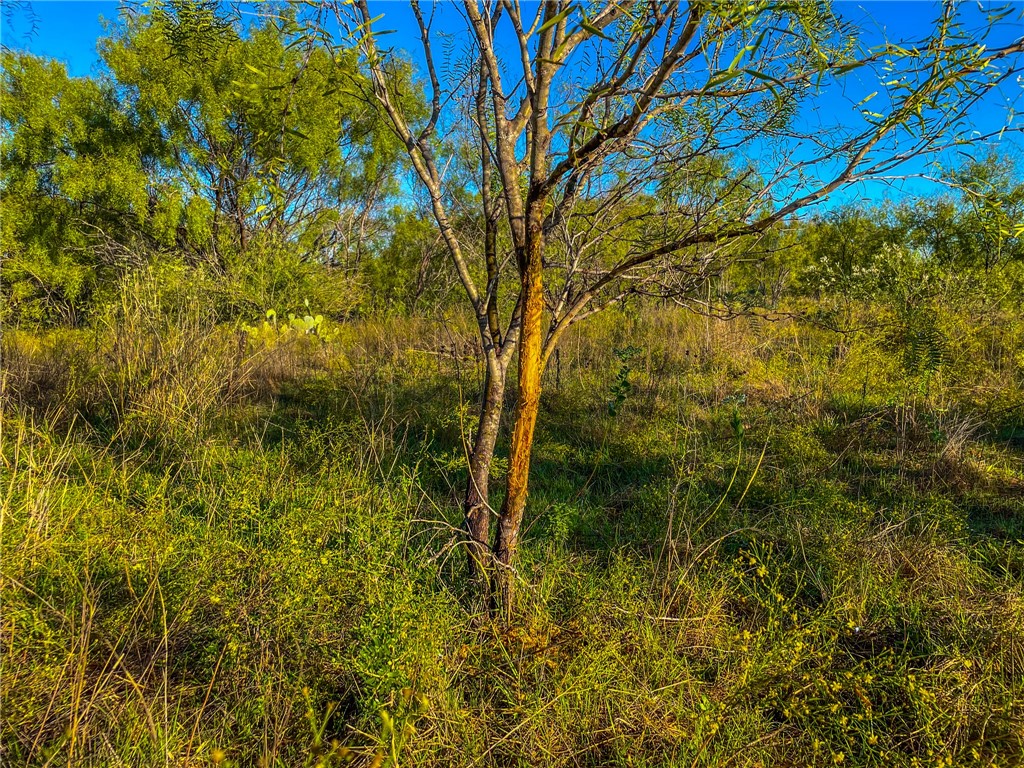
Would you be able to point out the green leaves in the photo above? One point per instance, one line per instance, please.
(752, 48)
(720, 78)
(73, 176)
(264, 111)
(556, 19)
(622, 387)
(194, 30)
(587, 26)
(196, 138)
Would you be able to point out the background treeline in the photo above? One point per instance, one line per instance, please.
(250, 159)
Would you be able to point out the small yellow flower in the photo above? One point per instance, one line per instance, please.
(838, 758)
(217, 756)
(872, 739)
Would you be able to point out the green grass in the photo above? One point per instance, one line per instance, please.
(215, 552)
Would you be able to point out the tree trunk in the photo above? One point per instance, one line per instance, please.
(527, 405)
(476, 507)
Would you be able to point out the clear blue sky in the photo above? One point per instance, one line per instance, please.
(69, 31)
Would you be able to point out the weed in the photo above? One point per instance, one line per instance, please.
(244, 554)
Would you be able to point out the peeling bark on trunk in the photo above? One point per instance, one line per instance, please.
(527, 405)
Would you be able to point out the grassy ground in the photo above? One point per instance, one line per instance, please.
(772, 546)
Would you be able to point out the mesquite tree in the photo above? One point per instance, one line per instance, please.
(634, 147)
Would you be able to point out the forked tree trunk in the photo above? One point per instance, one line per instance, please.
(476, 507)
(529, 385)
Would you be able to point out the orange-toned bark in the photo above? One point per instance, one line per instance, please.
(527, 405)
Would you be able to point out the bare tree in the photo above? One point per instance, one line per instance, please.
(633, 147)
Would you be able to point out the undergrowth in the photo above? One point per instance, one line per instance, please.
(754, 544)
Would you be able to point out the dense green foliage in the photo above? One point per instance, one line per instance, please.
(246, 156)
(73, 174)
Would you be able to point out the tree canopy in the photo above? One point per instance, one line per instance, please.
(202, 136)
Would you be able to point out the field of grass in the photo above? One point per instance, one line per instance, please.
(749, 543)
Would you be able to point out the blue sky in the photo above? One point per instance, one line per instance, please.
(69, 31)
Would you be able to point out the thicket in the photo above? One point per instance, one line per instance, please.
(226, 152)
